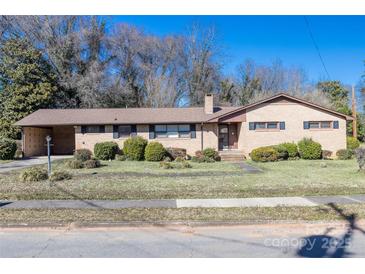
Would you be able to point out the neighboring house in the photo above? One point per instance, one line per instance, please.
(281, 118)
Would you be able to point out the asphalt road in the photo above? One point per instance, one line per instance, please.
(276, 240)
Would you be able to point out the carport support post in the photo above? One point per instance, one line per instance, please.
(48, 139)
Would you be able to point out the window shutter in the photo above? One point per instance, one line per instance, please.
(152, 132)
(192, 131)
(83, 129)
(306, 125)
(133, 130)
(115, 132)
(335, 124)
(101, 129)
(282, 125)
(251, 126)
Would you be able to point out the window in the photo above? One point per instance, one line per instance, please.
(124, 131)
(92, 129)
(320, 124)
(172, 131)
(272, 125)
(314, 125)
(266, 126)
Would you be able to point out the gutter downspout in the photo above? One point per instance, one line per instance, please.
(201, 136)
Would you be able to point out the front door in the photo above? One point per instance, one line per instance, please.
(232, 138)
(227, 136)
(223, 140)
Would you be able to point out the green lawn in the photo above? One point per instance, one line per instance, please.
(145, 180)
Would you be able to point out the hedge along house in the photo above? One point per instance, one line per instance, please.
(231, 130)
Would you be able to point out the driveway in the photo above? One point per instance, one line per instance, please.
(28, 162)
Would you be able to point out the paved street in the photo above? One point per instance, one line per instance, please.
(275, 240)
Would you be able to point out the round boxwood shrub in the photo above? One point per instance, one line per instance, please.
(154, 152)
(134, 147)
(60, 175)
(34, 174)
(309, 149)
(83, 154)
(8, 148)
(92, 163)
(120, 157)
(291, 148)
(75, 164)
(345, 154)
(352, 143)
(106, 150)
(264, 154)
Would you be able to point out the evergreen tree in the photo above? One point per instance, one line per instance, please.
(337, 94)
(26, 84)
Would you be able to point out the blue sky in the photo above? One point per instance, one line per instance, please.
(341, 40)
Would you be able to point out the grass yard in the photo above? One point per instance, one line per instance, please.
(145, 180)
(89, 216)
(5, 161)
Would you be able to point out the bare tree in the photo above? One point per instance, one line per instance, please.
(75, 47)
(202, 71)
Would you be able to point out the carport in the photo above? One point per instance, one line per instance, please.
(34, 142)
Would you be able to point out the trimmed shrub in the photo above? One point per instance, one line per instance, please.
(154, 152)
(183, 164)
(75, 164)
(345, 154)
(179, 159)
(106, 150)
(283, 153)
(264, 154)
(360, 157)
(352, 143)
(34, 174)
(134, 148)
(201, 159)
(83, 154)
(60, 175)
(326, 154)
(166, 165)
(291, 148)
(167, 159)
(174, 152)
(309, 149)
(120, 157)
(92, 163)
(8, 148)
(211, 153)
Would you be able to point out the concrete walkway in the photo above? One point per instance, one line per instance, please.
(189, 203)
(28, 162)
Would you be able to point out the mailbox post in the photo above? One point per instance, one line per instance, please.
(48, 139)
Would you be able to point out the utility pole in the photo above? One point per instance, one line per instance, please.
(354, 122)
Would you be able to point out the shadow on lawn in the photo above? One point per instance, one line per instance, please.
(325, 246)
(76, 197)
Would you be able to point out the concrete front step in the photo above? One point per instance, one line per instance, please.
(232, 155)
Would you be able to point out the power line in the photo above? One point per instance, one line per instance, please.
(316, 46)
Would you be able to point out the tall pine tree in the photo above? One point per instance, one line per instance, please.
(26, 84)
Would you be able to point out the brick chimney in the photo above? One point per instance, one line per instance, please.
(208, 103)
